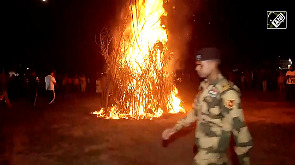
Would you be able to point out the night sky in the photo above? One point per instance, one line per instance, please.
(60, 34)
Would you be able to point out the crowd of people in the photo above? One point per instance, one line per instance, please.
(265, 80)
(32, 86)
(283, 81)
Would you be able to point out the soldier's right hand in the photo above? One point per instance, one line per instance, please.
(168, 133)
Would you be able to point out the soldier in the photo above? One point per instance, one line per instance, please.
(217, 109)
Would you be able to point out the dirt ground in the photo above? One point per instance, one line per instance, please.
(67, 134)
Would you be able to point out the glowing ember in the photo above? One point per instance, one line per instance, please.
(138, 65)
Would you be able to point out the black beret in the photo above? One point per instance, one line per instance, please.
(209, 53)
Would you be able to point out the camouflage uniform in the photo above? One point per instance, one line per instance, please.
(217, 107)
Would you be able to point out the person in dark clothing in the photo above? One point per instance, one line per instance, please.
(33, 87)
(3, 89)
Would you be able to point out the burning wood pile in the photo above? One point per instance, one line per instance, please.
(138, 61)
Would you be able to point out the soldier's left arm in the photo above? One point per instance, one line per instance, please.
(242, 136)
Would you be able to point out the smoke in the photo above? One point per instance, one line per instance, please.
(179, 25)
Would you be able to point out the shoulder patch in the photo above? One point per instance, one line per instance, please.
(230, 104)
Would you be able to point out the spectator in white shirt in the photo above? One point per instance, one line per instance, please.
(50, 82)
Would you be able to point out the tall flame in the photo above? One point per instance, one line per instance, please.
(138, 65)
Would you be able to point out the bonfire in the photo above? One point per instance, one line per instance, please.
(138, 63)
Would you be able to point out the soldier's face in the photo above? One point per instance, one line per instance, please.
(204, 68)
